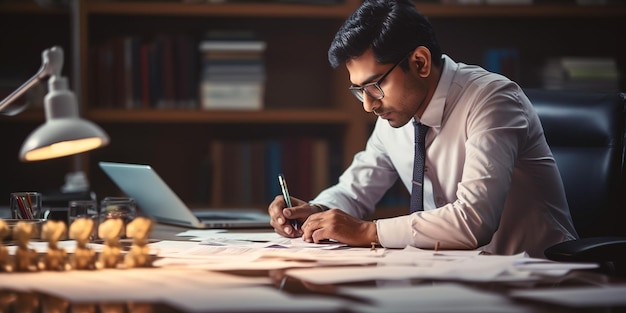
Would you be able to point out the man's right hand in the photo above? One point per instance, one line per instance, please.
(281, 216)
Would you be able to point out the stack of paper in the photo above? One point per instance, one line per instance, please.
(233, 73)
(585, 74)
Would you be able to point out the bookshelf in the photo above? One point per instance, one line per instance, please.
(304, 98)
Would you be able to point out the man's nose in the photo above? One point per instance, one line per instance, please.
(369, 103)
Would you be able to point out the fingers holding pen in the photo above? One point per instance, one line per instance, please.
(291, 222)
(283, 216)
(297, 214)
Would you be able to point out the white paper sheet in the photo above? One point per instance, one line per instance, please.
(480, 268)
(438, 297)
(253, 299)
(592, 296)
(114, 285)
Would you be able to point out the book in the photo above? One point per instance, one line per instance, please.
(216, 151)
(231, 45)
(504, 61)
(231, 95)
(273, 165)
(320, 165)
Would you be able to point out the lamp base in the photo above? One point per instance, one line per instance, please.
(75, 182)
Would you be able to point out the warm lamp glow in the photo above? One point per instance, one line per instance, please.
(64, 132)
(63, 149)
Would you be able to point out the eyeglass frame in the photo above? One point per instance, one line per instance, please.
(358, 91)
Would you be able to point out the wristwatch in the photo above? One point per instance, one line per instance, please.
(321, 207)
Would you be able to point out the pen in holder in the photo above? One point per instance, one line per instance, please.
(25, 205)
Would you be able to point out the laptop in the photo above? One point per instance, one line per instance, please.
(159, 202)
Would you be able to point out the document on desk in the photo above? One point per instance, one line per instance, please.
(340, 256)
(443, 297)
(199, 234)
(269, 260)
(577, 297)
(165, 247)
(217, 253)
(271, 239)
(141, 284)
(479, 268)
(255, 299)
(184, 289)
(261, 255)
(210, 234)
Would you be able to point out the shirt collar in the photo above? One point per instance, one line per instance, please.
(434, 111)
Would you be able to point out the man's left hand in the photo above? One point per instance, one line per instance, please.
(338, 225)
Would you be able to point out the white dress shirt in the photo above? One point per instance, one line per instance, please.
(491, 182)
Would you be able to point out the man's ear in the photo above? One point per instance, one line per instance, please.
(422, 58)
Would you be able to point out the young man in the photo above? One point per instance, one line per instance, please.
(489, 180)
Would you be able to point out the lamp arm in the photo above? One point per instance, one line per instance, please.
(51, 64)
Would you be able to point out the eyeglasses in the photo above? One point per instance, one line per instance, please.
(373, 89)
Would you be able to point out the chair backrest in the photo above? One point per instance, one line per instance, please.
(586, 134)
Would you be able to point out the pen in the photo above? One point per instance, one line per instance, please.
(283, 188)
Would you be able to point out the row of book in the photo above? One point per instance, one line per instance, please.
(581, 73)
(505, 61)
(593, 74)
(132, 72)
(178, 71)
(529, 2)
(266, 1)
(245, 172)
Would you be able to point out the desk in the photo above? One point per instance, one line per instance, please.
(288, 294)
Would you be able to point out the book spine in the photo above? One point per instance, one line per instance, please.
(273, 161)
(145, 75)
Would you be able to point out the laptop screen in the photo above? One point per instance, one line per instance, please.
(159, 202)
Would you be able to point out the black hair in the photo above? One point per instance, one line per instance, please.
(392, 28)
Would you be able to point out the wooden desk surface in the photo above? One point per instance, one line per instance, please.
(15, 300)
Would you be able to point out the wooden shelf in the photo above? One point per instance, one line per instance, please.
(434, 10)
(328, 117)
(299, 10)
(28, 7)
(344, 10)
(219, 117)
(222, 9)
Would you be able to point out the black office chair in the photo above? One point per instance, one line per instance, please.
(586, 132)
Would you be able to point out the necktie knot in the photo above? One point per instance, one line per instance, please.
(420, 132)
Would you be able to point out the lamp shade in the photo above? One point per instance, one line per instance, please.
(62, 137)
(64, 132)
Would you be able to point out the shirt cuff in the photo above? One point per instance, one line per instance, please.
(395, 232)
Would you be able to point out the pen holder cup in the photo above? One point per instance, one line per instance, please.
(117, 208)
(83, 209)
(25, 205)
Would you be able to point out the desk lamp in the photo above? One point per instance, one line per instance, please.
(64, 132)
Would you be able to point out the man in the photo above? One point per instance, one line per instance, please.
(489, 180)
